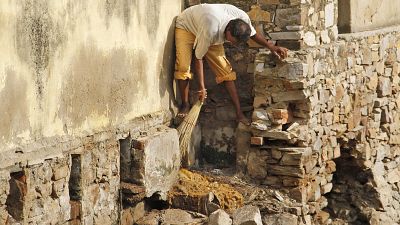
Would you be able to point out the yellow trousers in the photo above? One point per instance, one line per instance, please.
(215, 57)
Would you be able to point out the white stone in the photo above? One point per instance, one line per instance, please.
(260, 67)
(249, 215)
(297, 35)
(294, 27)
(260, 114)
(309, 39)
(161, 160)
(325, 37)
(329, 15)
(219, 217)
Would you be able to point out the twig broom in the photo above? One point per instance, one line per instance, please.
(185, 130)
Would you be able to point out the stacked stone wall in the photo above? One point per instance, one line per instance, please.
(292, 24)
(324, 101)
(80, 181)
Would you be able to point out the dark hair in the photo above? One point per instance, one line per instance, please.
(239, 30)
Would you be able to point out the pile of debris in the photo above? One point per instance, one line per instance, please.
(212, 197)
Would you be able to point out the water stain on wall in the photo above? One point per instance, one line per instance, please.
(103, 83)
(37, 37)
(14, 111)
(147, 13)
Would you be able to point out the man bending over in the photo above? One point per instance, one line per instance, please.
(203, 29)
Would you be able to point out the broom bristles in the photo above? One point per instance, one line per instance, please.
(185, 129)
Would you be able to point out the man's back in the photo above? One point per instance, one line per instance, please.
(208, 22)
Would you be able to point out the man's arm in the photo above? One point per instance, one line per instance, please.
(280, 52)
(198, 64)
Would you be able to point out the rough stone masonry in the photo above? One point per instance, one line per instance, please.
(334, 102)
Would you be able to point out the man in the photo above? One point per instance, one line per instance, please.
(205, 28)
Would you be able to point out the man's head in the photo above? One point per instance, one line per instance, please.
(237, 31)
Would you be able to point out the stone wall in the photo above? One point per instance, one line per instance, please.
(84, 181)
(331, 103)
(76, 78)
(292, 24)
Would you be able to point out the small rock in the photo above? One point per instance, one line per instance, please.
(281, 219)
(219, 217)
(247, 215)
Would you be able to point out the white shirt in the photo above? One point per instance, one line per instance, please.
(208, 22)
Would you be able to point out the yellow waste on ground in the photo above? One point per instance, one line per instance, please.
(192, 188)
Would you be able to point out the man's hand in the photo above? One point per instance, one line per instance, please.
(202, 94)
(280, 52)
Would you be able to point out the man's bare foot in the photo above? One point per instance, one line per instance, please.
(183, 111)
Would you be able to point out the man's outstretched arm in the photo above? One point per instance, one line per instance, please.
(280, 52)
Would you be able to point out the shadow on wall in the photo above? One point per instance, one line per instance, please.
(166, 83)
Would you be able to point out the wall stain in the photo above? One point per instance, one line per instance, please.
(37, 37)
(147, 13)
(14, 106)
(152, 17)
(101, 83)
(109, 7)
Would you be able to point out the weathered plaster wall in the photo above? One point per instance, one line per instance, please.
(368, 14)
(69, 68)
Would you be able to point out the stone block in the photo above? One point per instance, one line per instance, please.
(276, 135)
(288, 17)
(280, 219)
(258, 15)
(295, 158)
(247, 215)
(293, 181)
(322, 217)
(219, 217)
(257, 140)
(289, 96)
(291, 171)
(326, 188)
(384, 87)
(260, 102)
(394, 139)
(179, 216)
(289, 35)
(159, 160)
(269, 2)
(310, 39)
(58, 188)
(60, 172)
(281, 115)
(242, 147)
(393, 176)
(293, 45)
(299, 193)
(256, 164)
(260, 114)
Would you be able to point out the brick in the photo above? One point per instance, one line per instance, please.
(257, 141)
